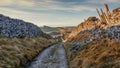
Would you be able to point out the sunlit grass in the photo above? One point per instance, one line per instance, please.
(15, 52)
(97, 54)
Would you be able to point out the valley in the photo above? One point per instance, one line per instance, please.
(94, 43)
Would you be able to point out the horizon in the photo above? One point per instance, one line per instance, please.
(54, 13)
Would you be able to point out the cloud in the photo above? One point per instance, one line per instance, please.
(25, 3)
(102, 1)
(38, 19)
(113, 1)
(6, 2)
(53, 5)
(17, 3)
(56, 5)
(52, 12)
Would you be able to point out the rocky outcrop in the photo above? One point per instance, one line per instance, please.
(104, 16)
(90, 23)
(97, 34)
(107, 20)
(18, 28)
(99, 49)
(113, 33)
(109, 28)
(115, 17)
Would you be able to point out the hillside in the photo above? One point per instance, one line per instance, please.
(16, 52)
(50, 29)
(57, 32)
(97, 54)
(95, 43)
(10, 27)
(106, 20)
(20, 42)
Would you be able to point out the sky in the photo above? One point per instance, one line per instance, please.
(54, 12)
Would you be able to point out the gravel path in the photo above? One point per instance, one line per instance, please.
(52, 57)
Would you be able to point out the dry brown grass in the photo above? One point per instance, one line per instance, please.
(81, 37)
(15, 52)
(104, 53)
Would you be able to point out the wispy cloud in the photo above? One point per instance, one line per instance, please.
(17, 3)
(61, 6)
(39, 19)
(25, 3)
(58, 5)
(45, 5)
(6, 2)
(53, 11)
(102, 1)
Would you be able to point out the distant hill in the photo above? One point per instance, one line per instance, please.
(56, 32)
(49, 29)
(53, 29)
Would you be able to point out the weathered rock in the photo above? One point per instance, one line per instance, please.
(88, 24)
(116, 10)
(114, 33)
(113, 19)
(18, 28)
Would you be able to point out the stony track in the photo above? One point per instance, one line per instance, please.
(52, 57)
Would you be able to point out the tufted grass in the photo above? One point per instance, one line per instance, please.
(15, 52)
(81, 37)
(97, 54)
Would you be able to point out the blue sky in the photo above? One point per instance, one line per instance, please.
(54, 12)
